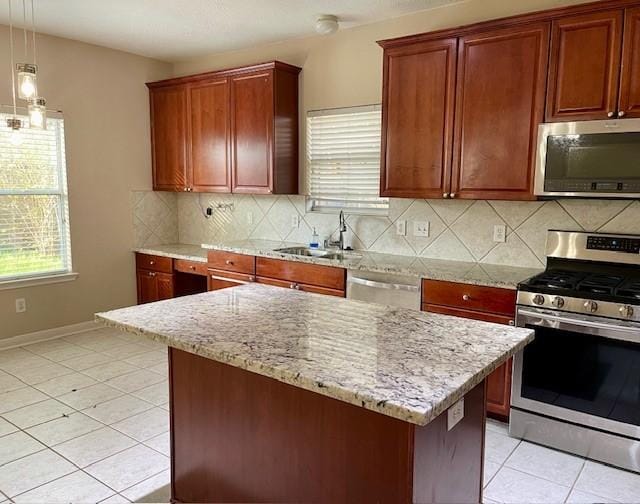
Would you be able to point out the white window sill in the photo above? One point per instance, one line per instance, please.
(35, 281)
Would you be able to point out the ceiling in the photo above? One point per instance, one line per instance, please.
(171, 30)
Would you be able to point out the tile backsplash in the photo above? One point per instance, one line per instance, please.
(459, 229)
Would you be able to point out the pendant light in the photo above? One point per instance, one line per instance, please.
(14, 123)
(37, 113)
(27, 72)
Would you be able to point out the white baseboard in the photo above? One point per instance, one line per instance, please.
(47, 334)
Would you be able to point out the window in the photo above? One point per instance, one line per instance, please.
(343, 160)
(34, 223)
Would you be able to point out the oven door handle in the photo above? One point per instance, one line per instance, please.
(536, 319)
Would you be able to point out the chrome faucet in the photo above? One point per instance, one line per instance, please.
(342, 229)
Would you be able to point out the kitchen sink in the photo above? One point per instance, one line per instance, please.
(309, 252)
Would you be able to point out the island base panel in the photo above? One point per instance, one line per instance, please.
(241, 437)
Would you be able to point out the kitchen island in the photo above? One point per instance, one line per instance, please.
(282, 396)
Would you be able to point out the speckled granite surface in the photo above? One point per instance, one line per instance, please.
(434, 269)
(176, 251)
(402, 363)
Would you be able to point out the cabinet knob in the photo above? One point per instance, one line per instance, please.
(152, 263)
(445, 195)
(611, 114)
(512, 322)
(466, 297)
(185, 189)
(252, 279)
(622, 113)
(295, 286)
(152, 274)
(452, 195)
(192, 267)
(229, 262)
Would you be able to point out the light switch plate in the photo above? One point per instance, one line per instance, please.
(499, 233)
(401, 227)
(454, 414)
(421, 228)
(295, 221)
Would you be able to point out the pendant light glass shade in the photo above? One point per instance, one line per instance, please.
(27, 81)
(37, 113)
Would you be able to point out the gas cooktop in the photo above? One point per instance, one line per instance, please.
(588, 273)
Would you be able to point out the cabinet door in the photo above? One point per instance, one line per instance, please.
(209, 131)
(630, 78)
(499, 104)
(585, 66)
(165, 286)
(417, 123)
(147, 286)
(252, 133)
(169, 138)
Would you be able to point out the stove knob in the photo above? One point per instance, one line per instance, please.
(592, 306)
(558, 302)
(538, 299)
(626, 311)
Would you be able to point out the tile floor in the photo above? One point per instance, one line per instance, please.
(84, 419)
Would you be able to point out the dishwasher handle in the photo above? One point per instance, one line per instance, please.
(383, 285)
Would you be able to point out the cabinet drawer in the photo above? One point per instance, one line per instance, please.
(220, 279)
(470, 314)
(230, 261)
(309, 274)
(469, 297)
(154, 263)
(193, 267)
(302, 287)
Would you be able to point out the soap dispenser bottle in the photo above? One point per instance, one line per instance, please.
(315, 240)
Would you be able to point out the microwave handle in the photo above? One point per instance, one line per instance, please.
(561, 322)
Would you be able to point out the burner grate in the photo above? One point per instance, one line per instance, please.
(556, 279)
(629, 289)
(600, 284)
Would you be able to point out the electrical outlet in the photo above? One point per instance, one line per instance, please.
(401, 227)
(421, 228)
(295, 221)
(454, 414)
(499, 233)
(250, 218)
(21, 305)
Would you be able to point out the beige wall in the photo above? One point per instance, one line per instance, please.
(105, 104)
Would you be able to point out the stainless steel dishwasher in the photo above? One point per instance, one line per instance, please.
(402, 291)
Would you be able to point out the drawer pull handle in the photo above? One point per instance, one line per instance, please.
(466, 297)
(229, 262)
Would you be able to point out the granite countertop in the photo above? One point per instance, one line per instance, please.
(402, 363)
(490, 275)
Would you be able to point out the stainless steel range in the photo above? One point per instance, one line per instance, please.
(577, 386)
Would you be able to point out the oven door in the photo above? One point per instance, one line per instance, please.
(589, 158)
(580, 369)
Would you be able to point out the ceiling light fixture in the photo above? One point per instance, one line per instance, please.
(327, 24)
(27, 72)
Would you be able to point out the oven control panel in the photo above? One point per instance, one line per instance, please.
(614, 244)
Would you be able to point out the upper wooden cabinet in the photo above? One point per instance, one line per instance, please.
(585, 67)
(417, 104)
(629, 101)
(228, 131)
(499, 104)
(169, 138)
(209, 117)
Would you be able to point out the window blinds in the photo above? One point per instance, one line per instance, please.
(34, 224)
(343, 159)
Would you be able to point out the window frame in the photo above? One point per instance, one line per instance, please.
(55, 120)
(310, 205)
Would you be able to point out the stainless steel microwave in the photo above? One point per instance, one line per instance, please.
(589, 159)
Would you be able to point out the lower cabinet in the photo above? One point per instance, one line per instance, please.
(489, 304)
(315, 278)
(221, 279)
(154, 286)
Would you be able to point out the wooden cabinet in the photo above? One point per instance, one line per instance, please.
(221, 279)
(169, 138)
(489, 304)
(417, 119)
(585, 67)
(209, 128)
(228, 131)
(153, 286)
(302, 276)
(499, 104)
(629, 101)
